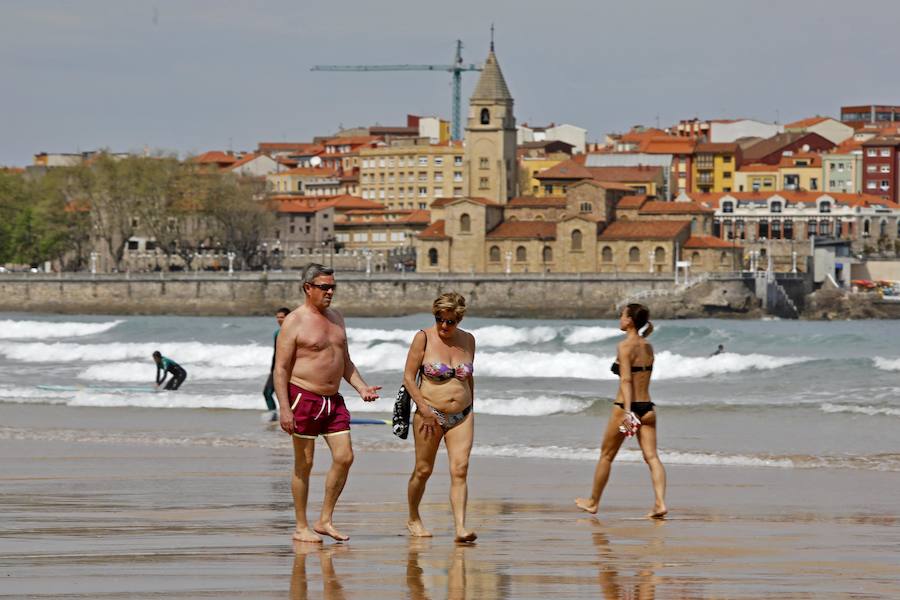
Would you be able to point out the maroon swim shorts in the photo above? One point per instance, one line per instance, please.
(315, 414)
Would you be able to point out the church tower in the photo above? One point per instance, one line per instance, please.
(490, 142)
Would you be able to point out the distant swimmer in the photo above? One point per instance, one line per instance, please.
(164, 366)
(718, 351)
(311, 358)
(633, 414)
(269, 390)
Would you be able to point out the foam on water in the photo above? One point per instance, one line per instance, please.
(871, 411)
(143, 372)
(590, 335)
(495, 336)
(224, 355)
(11, 330)
(887, 364)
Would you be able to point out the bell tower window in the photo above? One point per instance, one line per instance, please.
(485, 116)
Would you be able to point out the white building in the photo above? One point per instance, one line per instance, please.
(571, 134)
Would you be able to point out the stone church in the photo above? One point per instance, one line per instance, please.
(596, 227)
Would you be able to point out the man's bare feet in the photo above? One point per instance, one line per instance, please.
(465, 537)
(587, 505)
(417, 529)
(659, 512)
(305, 535)
(330, 530)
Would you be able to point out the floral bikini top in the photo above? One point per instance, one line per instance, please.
(442, 372)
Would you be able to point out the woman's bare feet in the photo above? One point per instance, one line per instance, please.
(417, 529)
(587, 505)
(330, 530)
(465, 537)
(306, 535)
(659, 512)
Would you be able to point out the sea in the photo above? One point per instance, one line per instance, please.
(783, 394)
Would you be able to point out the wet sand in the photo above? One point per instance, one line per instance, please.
(120, 520)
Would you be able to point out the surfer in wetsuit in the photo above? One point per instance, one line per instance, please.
(718, 351)
(164, 366)
(269, 389)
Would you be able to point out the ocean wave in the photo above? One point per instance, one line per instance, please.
(11, 330)
(871, 411)
(495, 336)
(224, 355)
(134, 372)
(887, 364)
(589, 335)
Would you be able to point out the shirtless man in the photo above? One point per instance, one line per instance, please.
(311, 358)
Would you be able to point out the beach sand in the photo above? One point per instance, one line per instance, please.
(112, 518)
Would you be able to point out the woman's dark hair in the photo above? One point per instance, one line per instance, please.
(640, 316)
(156, 354)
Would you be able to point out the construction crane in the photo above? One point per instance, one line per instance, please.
(456, 69)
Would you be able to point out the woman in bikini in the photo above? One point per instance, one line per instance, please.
(443, 396)
(634, 366)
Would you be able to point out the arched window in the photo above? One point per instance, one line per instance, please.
(586, 207)
(465, 223)
(538, 217)
(695, 258)
(659, 255)
(866, 230)
(883, 228)
(825, 207)
(521, 254)
(694, 225)
(576, 239)
(606, 254)
(775, 207)
(723, 258)
(494, 254)
(548, 254)
(728, 207)
(485, 116)
(432, 257)
(634, 254)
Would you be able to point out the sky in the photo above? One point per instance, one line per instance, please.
(189, 76)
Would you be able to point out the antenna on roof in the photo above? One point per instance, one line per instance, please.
(492, 37)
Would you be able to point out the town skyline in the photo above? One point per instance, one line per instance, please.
(126, 76)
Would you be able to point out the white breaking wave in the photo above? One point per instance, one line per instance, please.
(588, 335)
(887, 364)
(184, 353)
(495, 336)
(366, 336)
(871, 411)
(535, 406)
(10, 330)
(134, 372)
(634, 456)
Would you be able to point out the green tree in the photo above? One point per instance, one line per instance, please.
(240, 215)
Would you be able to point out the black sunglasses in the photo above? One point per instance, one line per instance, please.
(447, 322)
(324, 286)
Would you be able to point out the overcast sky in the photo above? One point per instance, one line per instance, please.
(190, 75)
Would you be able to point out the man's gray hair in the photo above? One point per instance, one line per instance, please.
(312, 271)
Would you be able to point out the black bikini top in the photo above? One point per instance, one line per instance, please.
(615, 368)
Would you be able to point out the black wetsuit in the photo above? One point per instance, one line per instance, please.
(166, 366)
(269, 390)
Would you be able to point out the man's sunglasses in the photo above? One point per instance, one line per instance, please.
(447, 322)
(324, 286)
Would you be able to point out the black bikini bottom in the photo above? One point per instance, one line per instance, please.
(638, 408)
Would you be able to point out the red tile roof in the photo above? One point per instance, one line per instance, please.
(435, 231)
(531, 230)
(293, 147)
(644, 230)
(675, 208)
(536, 202)
(631, 202)
(310, 171)
(613, 185)
(717, 148)
(707, 241)
(668, 144)
(215, 157)
(568, 169)
(847, 146)
(571, 169)
(758, 167)
(791, 197)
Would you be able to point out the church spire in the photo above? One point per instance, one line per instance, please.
(491, 85)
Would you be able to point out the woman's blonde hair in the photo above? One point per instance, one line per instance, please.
(450, 301)
(640, 316)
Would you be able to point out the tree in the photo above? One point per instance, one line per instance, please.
(239, 213)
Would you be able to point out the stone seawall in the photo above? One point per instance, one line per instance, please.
(377, 295)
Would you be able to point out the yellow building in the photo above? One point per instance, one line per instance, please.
(715, 166)
(800, 172)
(307, 181)
(411, 173)
(529, 167)
(756, 178)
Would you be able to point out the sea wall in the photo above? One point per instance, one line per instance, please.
(571, 296)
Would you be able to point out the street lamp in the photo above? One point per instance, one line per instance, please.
(94, 256)
(231, 256)
(368, 254)
(508, 262)
(650, 261)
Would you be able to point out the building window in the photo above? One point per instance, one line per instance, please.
(788, 229)
(483, 163)
(775, 207)
(723, 258)
(576, 239)
(634, 254)
(548, 254)
(482, 183)
(825, 207)
(432, 257)
(659, 255)
(423, 161)
(606, 255)
(811, 228)
(292, 228)
(457, 161)
(485, 116)
(457, 176)
(885, 152)
(695, 258)
(465, 223)
(457, 192)
(521, 254)
(871, 152)
(438, 161)
(885, 168)
(423, 192)
(548, 189)
(494, 254)
(726, 175)
(776, 229)
(586, 207)
(763, 229)
(728, 207)
(813, 183)
(133, 244)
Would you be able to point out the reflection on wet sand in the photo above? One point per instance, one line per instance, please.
(331, 585)
(642, 586)
(464, 578)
